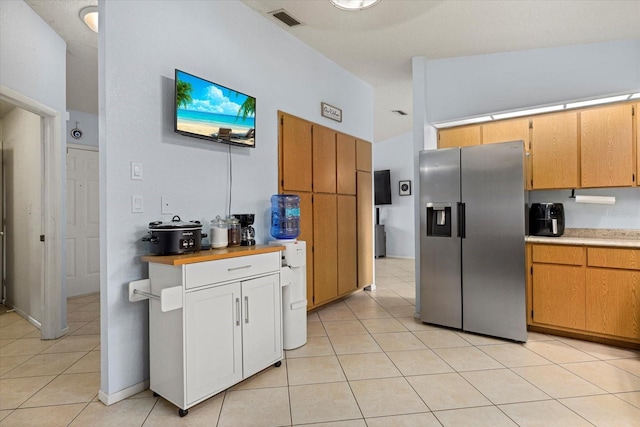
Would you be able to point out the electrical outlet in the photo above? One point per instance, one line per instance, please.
(137, 204)
(166, 205)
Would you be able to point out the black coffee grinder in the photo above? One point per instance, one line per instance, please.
(247, 233)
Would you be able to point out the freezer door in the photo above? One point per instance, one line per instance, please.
(493, 250)
(440, 292)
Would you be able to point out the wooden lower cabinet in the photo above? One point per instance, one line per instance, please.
(325, 244)
(306, 235)
(590, 291)
(558, 295)
(347, 245)
(364, 215)
(613, 302)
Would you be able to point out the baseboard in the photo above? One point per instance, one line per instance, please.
(400, 257)
(110, 399)
(31, 320)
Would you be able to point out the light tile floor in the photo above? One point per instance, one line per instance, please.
(367, 362)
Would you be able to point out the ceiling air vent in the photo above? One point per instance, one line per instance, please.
(399, 112)
(284, 17)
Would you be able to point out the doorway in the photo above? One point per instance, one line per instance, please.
(22, 213)
(47, 293)
(83, 221)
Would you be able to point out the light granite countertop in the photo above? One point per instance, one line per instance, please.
(621, 238)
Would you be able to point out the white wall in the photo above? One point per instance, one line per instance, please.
(475, 85)
(87, 123)
(396, 154)
(33, 64)
(141, 43)
(624, 214)
(22, 158)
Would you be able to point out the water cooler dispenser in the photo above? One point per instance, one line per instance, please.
(285, 227)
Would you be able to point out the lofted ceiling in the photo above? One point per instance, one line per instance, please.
(377, 44)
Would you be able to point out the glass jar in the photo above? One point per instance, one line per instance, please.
(219, 237)
(234, 231)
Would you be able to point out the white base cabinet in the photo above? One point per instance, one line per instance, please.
(226, 331)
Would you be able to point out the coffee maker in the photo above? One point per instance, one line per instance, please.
(247, 233)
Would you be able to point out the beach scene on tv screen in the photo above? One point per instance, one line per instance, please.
(213, 111)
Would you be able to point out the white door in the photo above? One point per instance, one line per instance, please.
(261, 323)
(213, 340)
(83, 220)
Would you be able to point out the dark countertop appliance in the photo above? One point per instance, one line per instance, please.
(247, 232)
(174, 237)
(546, 219)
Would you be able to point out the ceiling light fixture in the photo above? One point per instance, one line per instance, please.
(353, 5)
(89, 15)
(634, 95)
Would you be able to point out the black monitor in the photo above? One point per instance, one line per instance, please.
(382, 187)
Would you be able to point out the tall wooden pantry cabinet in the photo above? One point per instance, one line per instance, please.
(331, 172)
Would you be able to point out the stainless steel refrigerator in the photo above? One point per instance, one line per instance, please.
(472, 231)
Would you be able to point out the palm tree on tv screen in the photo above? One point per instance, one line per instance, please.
(183, 93)
(248, 107)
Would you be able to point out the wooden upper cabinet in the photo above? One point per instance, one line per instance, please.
(459, 137)
(606, 146)
(295, 153)
(554, 151)
(346, 164)
(505, 131)
(324, 160)
(363, 156)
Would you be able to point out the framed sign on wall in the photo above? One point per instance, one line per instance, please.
(331, 112)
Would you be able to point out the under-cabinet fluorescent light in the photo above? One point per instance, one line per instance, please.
(597, 101)
(527, 112)
(463, 122)
(634, 95)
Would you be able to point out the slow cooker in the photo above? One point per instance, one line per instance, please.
(174, 237)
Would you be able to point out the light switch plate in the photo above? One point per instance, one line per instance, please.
(166, 205)
(137, 204)
(136, 170)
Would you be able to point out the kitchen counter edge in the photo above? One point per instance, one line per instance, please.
(585, 241)
(211, 254)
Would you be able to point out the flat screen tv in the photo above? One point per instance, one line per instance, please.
(382, 187)
(210, 111)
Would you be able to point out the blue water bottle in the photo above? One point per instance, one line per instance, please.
(285, 216)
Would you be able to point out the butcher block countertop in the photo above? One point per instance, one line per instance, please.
(615, 238)
(212, 254)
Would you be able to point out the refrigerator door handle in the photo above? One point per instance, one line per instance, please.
(461, 220)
